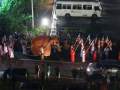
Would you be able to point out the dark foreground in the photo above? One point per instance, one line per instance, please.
(58, 84)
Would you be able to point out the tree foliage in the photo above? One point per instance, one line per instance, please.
(39, 30)
(15, 15)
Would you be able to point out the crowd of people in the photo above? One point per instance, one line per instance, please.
(88, 47)
(12, 44)
(74, 47)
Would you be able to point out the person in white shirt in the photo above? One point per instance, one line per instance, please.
(5, 49)
(10, 53)
(83, 55)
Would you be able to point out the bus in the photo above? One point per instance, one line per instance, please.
(78, 8)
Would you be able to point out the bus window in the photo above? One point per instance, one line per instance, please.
(77, 7)
(96, 8)
(87, 7)
(64, 6)
(74, 6)
(68, 6)
(59, 6)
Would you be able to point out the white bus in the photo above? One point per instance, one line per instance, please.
(78, 8)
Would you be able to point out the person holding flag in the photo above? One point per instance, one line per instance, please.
(72, 54)
(95, 56)
(107, 40)
(92, 47)
(89, 39)
(93, 51)
(83, 52)
(99, 49)
(102, 42)
(10, 53)
(77, 40)
(83, 55)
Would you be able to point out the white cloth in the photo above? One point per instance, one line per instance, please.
(10, 52)
(24, 51)
(5, 49)
(92, 48)
(83, 55)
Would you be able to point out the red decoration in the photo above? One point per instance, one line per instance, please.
(72, 54)
(94, 56)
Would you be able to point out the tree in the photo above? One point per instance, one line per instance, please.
(15, 15)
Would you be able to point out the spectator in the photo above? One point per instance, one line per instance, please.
(10, 53)
(72, 54)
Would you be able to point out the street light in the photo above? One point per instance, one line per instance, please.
(45, 22)
(32, 10)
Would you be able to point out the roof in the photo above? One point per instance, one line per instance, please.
(74, 2)
(80, 0)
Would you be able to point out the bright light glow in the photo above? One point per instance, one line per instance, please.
(88, 69)
(113, 70)
(45, 22)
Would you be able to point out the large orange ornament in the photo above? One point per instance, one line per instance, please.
(44, 42)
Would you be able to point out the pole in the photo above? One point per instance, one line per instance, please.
(32, 9)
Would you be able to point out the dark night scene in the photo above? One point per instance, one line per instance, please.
(59, 44)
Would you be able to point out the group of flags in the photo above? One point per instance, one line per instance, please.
(88, 45)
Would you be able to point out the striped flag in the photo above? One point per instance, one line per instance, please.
(78, 38)
(107, 39)
(89, 38)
